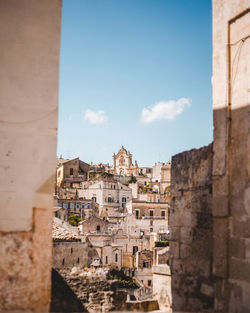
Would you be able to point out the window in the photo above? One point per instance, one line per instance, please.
(71, 250)
(116, 257)
(59, 204)
(106, 259)
(78, 260)
(135, 249)
(65, 205)
(88, 205)
(98, 227)
(151, 213)
(146, 264)
(71, 171)
(94, 199)
(124, 202)
(149, 282)
(72, 205)
(109, 199)
(151, 229)
(163, 214)
(83, 205)
(63, 262)
(137, 212)
(114, 186)
(78, 205)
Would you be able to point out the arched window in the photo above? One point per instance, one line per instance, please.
(116, 257)
(109, 199)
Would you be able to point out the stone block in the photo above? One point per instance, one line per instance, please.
(174, 233)
(237, 247)
(220, 240)
(174, 250)
(185, 251)
(186, 235)
(240, 270)
(241, 226)
(221, 295)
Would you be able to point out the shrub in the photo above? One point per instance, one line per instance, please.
(132, 179)
(74, 220)
(164, 243)
(124, 281)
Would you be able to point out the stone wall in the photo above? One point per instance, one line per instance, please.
(67, 254)
(29, 62)
(95, 292)
(191, 230)
(231, 163)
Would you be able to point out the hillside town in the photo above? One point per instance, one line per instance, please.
(114, 217)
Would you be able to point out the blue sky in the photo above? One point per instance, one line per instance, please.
(135, 73)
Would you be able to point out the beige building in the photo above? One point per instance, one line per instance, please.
(71, 173)
(143, 264)
(122, 163)
(111, 196)
(162, 278)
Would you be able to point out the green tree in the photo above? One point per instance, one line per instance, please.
(74, 220)
(132, 179)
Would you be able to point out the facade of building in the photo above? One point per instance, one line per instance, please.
(71, 173)
(111, 196)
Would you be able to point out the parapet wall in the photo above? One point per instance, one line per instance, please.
(191, 230)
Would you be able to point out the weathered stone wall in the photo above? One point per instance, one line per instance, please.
(67, 254)
(162, 286)
(191, 230)
(96, 293)
(29, 63)
(63, 299)
(231, 163)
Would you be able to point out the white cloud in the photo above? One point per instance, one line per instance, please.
(95, 117)
(165, 110)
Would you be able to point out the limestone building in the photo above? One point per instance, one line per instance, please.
(122, 163)
(71, 173)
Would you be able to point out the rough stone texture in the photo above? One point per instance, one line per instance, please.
(231, 162)
(29, 62)
(63, 299)
(95, 293)
(67, 254)
(25, 264)
(191, 230)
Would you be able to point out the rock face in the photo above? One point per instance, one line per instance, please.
(91, 287)
(63, 299)
(191, 230)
